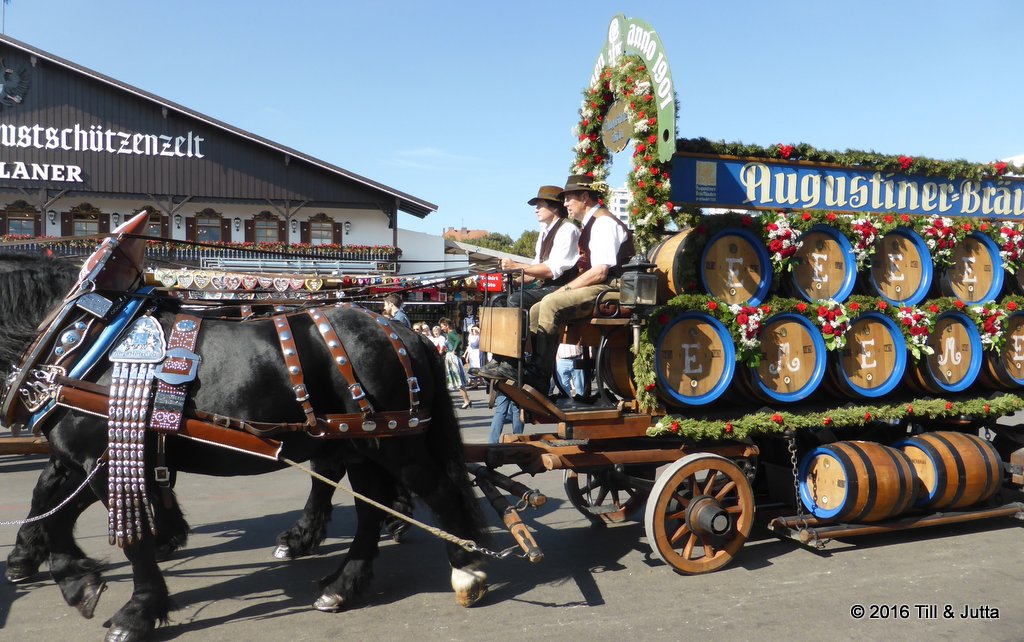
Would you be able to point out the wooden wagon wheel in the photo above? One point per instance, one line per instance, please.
(608, 495)
(700, 514)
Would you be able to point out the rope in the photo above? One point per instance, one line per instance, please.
(38, 518)
(466, 544)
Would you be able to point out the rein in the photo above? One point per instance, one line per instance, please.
(38, 518)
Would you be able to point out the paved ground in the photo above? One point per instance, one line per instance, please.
(595, 584)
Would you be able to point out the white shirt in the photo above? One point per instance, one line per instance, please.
(605, 238)
(565, 250)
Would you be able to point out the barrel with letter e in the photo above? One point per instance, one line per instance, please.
(901, 268)
(976, 273)
(694, 360)
(873, 361)
(824, 266)
(1004, 369)
(736, 268)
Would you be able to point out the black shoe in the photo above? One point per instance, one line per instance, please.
(500, 370)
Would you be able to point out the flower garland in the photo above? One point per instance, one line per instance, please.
(849, 416)
(648, 182)
(1010, 238)
(782, 241)
(942, 236)
(854, 158)
(834, 323)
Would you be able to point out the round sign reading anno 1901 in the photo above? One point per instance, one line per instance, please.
(617, 127)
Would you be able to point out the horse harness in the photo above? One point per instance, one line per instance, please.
(150, 387)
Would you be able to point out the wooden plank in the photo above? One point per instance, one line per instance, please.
(24, 446)
(501, 331)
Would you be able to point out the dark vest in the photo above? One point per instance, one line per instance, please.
(626, 250)
(545, 252)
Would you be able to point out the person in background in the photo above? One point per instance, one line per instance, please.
(393, 309)
(505, 411)
(468, 322)
(569, 377)
(455, 374)
(424, 329)
(472, 354)
(438, 339)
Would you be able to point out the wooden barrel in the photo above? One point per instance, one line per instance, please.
(694, 359)
(616, 363)
(792, 360)
(976, 275)
(856, 481)
(1005, 370)
(824, 266)
(736, 267)
(669, 259)
(955, 469)
(956, 358)
(874, 359)
(901, 268)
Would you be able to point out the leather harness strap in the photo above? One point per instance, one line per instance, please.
(341, 358)
(175, 373)
(291, 362)
(400, 350)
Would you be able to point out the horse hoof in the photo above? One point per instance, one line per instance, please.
(90, 598)
(118, 634)
(329, 603)
(18, 573)
(282, 552)
(470, 585)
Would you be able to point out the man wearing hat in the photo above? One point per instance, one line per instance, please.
(556, 252)
(604, 244)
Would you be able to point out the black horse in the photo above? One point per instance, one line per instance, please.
(30, 286)
(244, 376)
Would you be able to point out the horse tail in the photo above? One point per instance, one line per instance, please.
(444, 442)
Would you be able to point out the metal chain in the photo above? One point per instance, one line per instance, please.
(796, 475)
(466, 544)
(37, 518)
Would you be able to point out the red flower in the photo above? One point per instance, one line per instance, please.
(785, 150)
(827, 421)
(742, 318)
(728, 427)
(882, 305)
(775, 246)
(933, 309)
(904, 218)
(959, 305)
(827, 330)
(655, 171)
(652, 139)
(1011, 306)
(906, 162)
(986, 408)
(669, 205)
(649, 387)
(712, 305)
(910, 409)
(640, 147)
(888, 218)
(675, 427)
(1000, 168)
(805, 216)
(641, 184)
(831, 216)
(983, 226)
(867, 416)
(801, 307)
(967, 227)
(854, 306)
(822, 310)
(650, 200)
(949, 405)
(777, 418)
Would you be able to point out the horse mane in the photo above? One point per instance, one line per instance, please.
(30, 286)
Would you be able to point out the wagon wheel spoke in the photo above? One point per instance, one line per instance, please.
(726, 489)
(688, 548)
(712, 478)
(607, 495)
(684, 529)
(709, 548)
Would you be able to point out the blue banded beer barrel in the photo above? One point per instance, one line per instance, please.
(1004, 370)
(856, 481)
(956, 358)
(976, 275)
(695, 360)
(956, 470)
(792, 360)
(824, 266)
(901, 268)
(736, 268)
(874, 359)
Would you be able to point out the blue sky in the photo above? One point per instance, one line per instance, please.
(471, 105)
